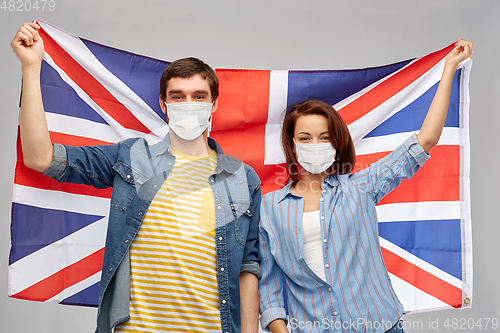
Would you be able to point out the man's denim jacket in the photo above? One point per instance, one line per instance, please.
(136, 171)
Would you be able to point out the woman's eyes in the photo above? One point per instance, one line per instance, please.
(323, 138)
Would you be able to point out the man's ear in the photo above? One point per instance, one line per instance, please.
(162, 105)
(215, 105)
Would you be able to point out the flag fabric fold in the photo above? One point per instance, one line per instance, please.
(94, 94)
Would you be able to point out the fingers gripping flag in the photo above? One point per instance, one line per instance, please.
(94, 94)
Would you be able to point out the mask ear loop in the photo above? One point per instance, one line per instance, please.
(210, 121)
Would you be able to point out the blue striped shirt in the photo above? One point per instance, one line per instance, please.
(357, 295)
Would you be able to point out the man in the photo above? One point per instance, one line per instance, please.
(181, 248)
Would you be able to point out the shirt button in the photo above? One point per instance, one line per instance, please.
(111, 269)
(322, 217)
(335, 313)
(222, 269)
(248, 211)
(324, 240)
(212, 180)
(140, 213)
(128, 176)
(220, 238)
(329, 289)
(126, 241)
(327, 265)
(223, 301)
(169, 163)
(321, 199)
(155, 186)
(218, 207)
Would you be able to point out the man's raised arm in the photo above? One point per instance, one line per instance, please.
(35, 139)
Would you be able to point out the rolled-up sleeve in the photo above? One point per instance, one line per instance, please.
(251, 259)
(89, 165)
(59, 162)
(386, 174)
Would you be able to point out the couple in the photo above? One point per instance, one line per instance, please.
(186, 249)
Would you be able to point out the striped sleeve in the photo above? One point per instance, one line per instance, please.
(272, 304)
(387, 173)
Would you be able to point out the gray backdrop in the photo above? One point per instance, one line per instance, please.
(273, 34)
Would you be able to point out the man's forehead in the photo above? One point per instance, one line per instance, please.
(195, 82)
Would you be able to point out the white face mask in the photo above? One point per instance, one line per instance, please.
(188, 119)
(315, 157)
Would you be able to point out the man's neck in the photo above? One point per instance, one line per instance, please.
(196, 147)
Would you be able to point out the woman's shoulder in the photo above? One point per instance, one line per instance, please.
(273, 197)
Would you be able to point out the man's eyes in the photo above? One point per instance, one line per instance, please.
(198, 97)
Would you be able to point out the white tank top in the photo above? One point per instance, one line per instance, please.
(313, 247)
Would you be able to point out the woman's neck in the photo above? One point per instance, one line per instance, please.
(309, 182)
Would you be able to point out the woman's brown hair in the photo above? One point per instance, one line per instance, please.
(337, 130)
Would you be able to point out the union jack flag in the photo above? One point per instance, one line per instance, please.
(94, 94)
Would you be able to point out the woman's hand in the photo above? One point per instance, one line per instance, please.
(462, 51)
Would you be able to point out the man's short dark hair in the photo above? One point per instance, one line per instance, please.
(186, 68)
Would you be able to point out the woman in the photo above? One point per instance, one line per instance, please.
(319, 231)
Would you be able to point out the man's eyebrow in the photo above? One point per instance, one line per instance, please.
(180, 91)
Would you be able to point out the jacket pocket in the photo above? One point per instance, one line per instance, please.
(125, 185)
(243, 214)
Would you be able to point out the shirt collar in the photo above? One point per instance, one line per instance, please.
(332, 181)
(230, 164)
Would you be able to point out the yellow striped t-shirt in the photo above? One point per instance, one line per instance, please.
(173, 263)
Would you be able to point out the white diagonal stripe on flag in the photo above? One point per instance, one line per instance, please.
(414, 299)
(81, 54)
(420, 263)
(389, 107)
(77, 245)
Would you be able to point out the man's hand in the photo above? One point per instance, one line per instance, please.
(35, 138)
(28, 45)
